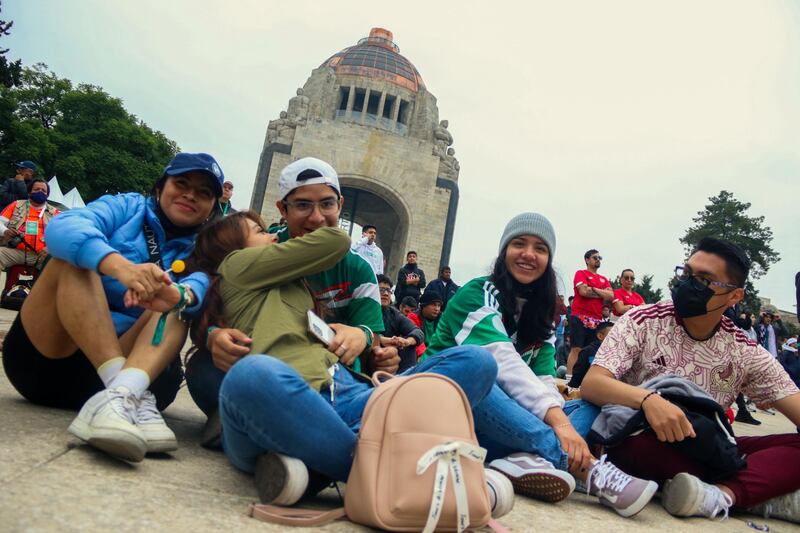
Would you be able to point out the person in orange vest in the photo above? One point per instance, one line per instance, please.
(22, 225)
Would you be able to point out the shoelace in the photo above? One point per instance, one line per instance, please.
(715, 502)
(147, 411)
(606, 476)
(124, 404)
(448, 457)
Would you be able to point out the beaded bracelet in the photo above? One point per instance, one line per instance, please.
(646, 397)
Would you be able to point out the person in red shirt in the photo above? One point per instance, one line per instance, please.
(624, 297)
(591, 289)
(22, 225)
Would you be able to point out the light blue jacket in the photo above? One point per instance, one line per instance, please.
(84, 237)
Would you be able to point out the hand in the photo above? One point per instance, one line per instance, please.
(578, 454)
(144, 279)
(227, 346)
(165, 299)
(10, 232)
(390, 341)
(348, 343)
(667, 420)
(385, 359)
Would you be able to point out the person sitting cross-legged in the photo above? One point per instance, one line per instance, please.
(690, 338)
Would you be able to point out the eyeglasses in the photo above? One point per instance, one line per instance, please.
(385, 290)
(328, 206)
(684, 272)
(597, 257)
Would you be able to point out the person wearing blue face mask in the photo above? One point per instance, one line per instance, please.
(22, 225)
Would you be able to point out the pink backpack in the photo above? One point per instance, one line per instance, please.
(417, 464)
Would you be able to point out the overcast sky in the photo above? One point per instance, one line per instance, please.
(617, 120)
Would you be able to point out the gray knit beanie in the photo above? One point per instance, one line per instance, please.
(529, 224)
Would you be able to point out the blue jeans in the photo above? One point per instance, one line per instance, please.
(503, 427)
(266, 406)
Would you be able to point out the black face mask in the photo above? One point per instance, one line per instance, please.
(690, 298)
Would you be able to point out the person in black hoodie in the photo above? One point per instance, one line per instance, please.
(399, 331)
(410, 279)
(586, 355)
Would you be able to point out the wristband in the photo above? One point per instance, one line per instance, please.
(158, 335)
(368, 332)
(646, 397)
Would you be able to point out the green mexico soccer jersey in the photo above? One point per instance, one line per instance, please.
(349, 289)
(473, 316)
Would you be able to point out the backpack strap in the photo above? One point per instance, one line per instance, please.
(293, 516)
(379, 376)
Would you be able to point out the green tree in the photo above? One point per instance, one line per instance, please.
(726, 218)
(83, 135)
(645, 289)
(10, 71)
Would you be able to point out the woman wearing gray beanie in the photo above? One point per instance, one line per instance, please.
(510, 313)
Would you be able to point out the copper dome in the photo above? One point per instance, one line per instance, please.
(378, 57)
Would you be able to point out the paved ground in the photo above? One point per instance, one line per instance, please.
(50, 482)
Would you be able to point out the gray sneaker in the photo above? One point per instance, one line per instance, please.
(536, 477)
(686, 495)
(786, 507)
(624, 493)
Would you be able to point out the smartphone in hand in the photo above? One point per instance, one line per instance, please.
(320, 329)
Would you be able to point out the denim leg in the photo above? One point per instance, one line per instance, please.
(266, 406)
(582, 414)
(203, 380)
(472, 367)
(503, 427)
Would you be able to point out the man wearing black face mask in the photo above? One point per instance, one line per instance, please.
(22, 225)
(690, 338)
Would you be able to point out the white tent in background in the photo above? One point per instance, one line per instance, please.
(55, 191)
(73, 199)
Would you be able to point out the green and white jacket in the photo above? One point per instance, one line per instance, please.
(474, 316)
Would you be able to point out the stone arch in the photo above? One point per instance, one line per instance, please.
(371, 201)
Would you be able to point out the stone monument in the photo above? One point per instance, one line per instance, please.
(366, 111)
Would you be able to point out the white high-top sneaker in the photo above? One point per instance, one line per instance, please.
(156, 432)
(107, 421)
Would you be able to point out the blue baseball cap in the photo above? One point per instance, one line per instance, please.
(27, 164)
(184, 162)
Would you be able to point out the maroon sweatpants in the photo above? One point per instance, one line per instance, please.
(773, 464)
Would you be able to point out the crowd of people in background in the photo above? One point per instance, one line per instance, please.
(565, 395)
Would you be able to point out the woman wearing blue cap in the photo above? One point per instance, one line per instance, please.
(98, 332)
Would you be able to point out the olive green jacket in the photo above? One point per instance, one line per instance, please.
(264, 296)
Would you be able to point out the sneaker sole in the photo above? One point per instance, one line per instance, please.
(115, 442)
(503, 492)
(640, 503)
(161, 445)
(541, 486)
(272, 476)
(681, 494)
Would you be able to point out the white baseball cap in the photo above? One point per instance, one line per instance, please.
(307, 171)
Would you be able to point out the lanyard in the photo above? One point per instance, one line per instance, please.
(153, 249)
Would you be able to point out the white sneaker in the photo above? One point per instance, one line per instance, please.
(501, 493)
(535, 477)
(686, 495)
(280, 479)
(624, 493)
(156, 432)
(107, 422)
(786, 507)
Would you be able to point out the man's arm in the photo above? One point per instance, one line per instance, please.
(592, 292)
(790, 408)
(667, 420)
